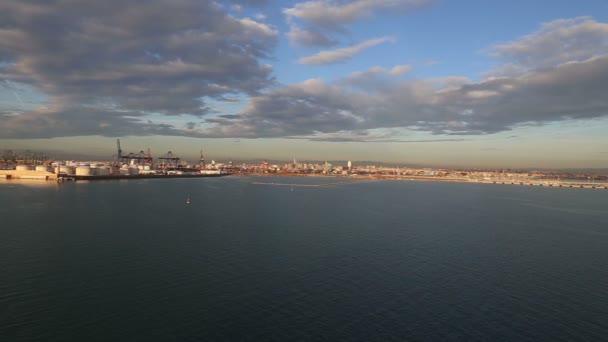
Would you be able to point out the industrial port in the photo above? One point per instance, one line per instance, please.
(124, 166)
(169, 165)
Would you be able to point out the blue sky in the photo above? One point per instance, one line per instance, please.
(438, 83)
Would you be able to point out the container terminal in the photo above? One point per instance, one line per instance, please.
(125, 166)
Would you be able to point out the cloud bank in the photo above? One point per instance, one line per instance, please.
(552, 83)
(103, 64)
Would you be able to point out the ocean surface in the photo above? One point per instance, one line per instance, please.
(371, 261)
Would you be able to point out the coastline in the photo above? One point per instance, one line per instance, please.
(354, 178)
(11, 175)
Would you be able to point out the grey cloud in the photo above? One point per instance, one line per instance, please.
(369, 138)
(229, 116)
(342, 54)
(131, 58)
(298, 36)
(47, 123)
(376, 78)
(252, 3)
(557, 42)
(569, 91)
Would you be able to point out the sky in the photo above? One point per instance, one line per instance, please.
(494, 84)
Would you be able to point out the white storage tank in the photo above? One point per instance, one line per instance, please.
(24, 168)
(67, 169)
(124, 171)
(42, 168)
(83, 171)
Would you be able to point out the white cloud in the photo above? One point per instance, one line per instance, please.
(257, 27)
(334, 14)
(400, 69)
(342, 54)
(480, 94)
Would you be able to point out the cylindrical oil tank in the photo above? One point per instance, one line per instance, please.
(83, 171)
(124, 170)
(103, 171)
(67, 169)
(133, 171)
(147, 167)
(41, 168)
(24, 168)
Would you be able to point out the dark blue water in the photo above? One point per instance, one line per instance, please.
(374, 261)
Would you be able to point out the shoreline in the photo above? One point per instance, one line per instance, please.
(355, 178)
(9, 175)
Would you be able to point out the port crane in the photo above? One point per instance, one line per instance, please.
(139, 158)
(168, 160)
(119, 154)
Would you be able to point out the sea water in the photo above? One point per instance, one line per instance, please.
(368, 261)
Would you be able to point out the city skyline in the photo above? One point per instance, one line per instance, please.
(424, 82)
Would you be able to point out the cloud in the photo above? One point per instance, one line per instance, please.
(342, 54)
(556, 42)
(298, 36)
(451, 106)
(363, 136)
(322, 20)
(334, 15)
(381, 71)
(105, 67)
(375, 79)
(552, 83)
(114, 60)
(252, 3)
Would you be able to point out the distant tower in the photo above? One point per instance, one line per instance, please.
(119, 155)
(202, 159)
(350, 165)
